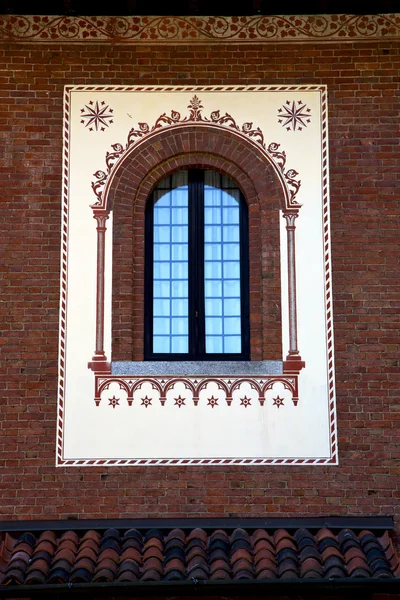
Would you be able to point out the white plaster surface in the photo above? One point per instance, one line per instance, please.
(132, 432)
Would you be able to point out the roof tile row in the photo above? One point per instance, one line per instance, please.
(133, 556)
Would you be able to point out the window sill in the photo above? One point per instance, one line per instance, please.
(245, 367)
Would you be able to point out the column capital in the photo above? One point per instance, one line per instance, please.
(290, 219)
(101, 217)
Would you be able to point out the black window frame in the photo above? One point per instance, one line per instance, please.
(196, 278)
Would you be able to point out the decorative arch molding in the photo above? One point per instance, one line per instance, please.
(253, 135)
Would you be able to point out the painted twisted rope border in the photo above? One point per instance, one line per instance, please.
(333, 458)
(193, 29)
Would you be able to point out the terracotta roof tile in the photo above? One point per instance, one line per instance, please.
(197, 534)
(151, 575)
(198, 573)
(127, 576)
(266, 574)
(129, 555)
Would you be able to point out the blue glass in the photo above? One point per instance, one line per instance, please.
(213, 307)
(222, 265)
(231, 288)
(212, 251)
(161, 326)
(232, 307)
(231, 233)
(161, 308)
(213, 233)
(162, 270)
(179, 307)
(232, 324)
(213, 289)
(162, 289)
(161, 234)
(180, 344)
(214, 325)
(213, 270)
(162, 252)
(232, 343)
(214, 344)
(170, 266)
(212, 215)
(179, 289)
(231, 251)
(161, 344)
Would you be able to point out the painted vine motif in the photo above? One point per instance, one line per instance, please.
(162, 29)
(196, 116)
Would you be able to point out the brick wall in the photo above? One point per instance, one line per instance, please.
(364, 160)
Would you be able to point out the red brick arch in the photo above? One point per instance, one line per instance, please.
(195, 147)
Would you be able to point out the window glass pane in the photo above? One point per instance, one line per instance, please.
(213, 233)
(212, 215)
(231, 233)
(231, 288)
(161, 326)
(231, 251)
(161, 344)
(232, 325)
(230, 215)
(213, 289)
(180, 270)
(213, 270)
(179, 233)
(162, 289)
(214, 325)
(170, 269)
(161, 308)
(213, 308)
(179, 307)
(162, 270)
(214, 344)
(179, 252)
(232, 344)
(231, 198)
(179, 216)
(162, 234)
(179, 344)
(222, 264)
(179, 289)
(232, 270)
(232, 307)
(179, 326)
(162, 216)
(161, 251)
(212, 252)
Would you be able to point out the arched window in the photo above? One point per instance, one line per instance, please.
(197, 281)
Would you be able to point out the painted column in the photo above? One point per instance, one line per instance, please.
(99, 361)
(294, 354)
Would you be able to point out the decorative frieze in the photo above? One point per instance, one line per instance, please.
(198, 29)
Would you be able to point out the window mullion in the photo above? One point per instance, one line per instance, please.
(196, 264)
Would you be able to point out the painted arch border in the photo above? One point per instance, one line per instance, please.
(332, 418)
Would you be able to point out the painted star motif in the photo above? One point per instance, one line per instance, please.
(97, 116)
(245, 402)
(180, 401)
(113, 401)
(278, 402)
(295, 115)
(146, 401)
(212, 401)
